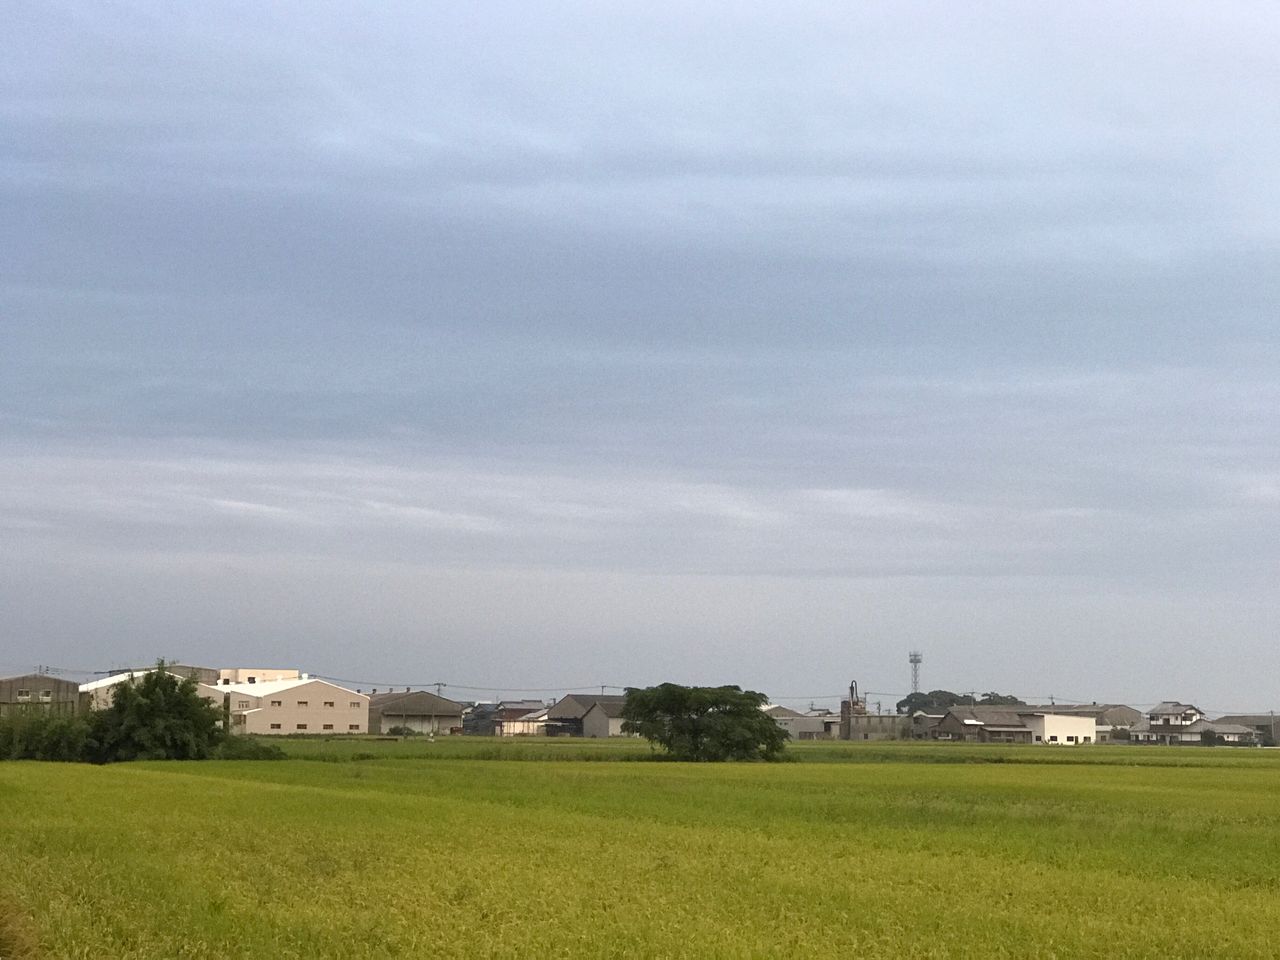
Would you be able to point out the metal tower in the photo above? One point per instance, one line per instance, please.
(915, 658)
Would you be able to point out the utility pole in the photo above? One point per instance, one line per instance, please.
(439, 685)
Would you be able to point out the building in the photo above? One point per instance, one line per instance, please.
(1182, 724)
(38, 693)
(802, 726)
(202, 674)
(531, 724)
(418, 710)
(301, 706)
(231, 675)
(879, 726)
(1009, 724)
(1111, 721)
(1265, 725)
(604, 719)
(99, 694)
(567, 713)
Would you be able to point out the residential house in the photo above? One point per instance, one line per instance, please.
(1182, 724)
(1266, 725)
(304, 705)
(567, 713)
(1012, 724)
(38, 693)
(604, 718)
(1111, 721)
(418, 710)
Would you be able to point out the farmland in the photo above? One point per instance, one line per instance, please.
(480, 849)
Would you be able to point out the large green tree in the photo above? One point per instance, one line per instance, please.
(156, 716)
(704, 723)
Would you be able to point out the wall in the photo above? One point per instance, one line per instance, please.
(263, 716)
(879, 726)
(1061, 729)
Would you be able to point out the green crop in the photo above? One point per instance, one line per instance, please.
(870, 851)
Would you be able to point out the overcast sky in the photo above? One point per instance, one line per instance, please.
(550, 345)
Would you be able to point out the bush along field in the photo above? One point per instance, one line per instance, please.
(444, 855)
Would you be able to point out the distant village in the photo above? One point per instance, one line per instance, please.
(284, 702)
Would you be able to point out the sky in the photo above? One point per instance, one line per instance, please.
(525, 347)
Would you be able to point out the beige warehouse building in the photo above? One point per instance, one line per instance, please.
(303, 706)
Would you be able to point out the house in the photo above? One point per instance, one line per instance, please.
(304, 705)
(38, 693)
(99, 694)
(1109, 719)
(1171, 723)
(604, 718)
(1266, 725)
(418, 710)
(568, 712)
(231, 675)
(1011, 724)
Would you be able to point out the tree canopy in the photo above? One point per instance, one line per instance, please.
(156, 717)
(940, 701)
(704, 723)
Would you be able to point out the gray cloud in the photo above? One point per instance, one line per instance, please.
(668, 340)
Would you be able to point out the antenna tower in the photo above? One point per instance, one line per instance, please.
(915, 658)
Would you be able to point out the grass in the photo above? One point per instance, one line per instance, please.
(859, 849)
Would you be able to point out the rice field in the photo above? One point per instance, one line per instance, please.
(481, 849)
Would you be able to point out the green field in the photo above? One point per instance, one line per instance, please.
(466, 848)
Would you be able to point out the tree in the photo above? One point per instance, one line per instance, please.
(1000, 700)
(935, 701)
(704, 723)
(155, 717)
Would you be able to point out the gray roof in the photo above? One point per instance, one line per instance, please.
(574, 706)
(610, 707)
(1008, 717)
(1112, 713)
(1250, 719)
(1172, 707)
(415, 702)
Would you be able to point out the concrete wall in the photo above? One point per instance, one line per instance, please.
(38, 692)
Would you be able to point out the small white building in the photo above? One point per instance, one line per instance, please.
(230, 675)
(531, 724)
(1064, 729)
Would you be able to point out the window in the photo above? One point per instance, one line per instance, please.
(46, 696)
(275, 726)
(1087, 739)
(24, 696)
(302, 726)
(328, 703)
(328, 726)
(1071, 739)
(1053, 739)
(277, 703)
(1039, 739)
(353, 726)
(242, 704)
(302, 703)
(355, 704)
